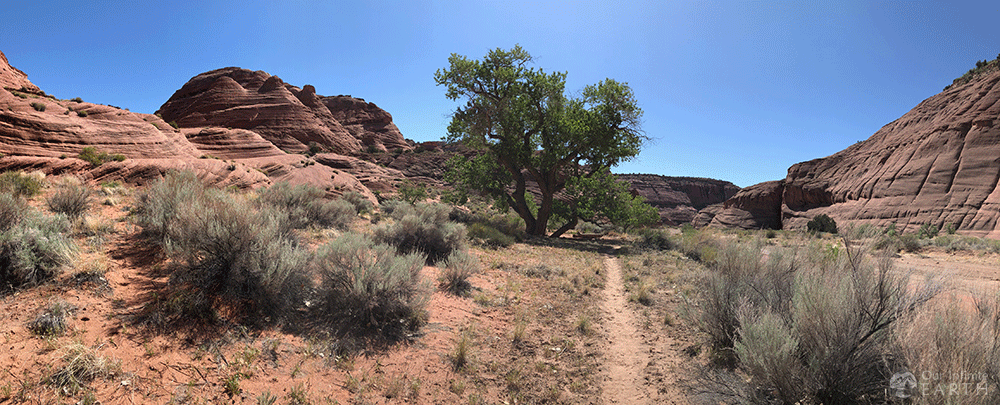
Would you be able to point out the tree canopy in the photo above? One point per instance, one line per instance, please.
(527, 130)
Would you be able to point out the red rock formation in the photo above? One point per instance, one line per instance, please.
(366, 122)
(937, 164)
(679, 198)
(12, 78)
(754, 207)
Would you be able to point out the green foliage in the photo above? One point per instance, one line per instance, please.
(369, 284)
(12, 210)
(76, 100)
(927, 231)
(655, 239)
(33, 249)
(412, 193)
(96, 158)
(20, 184)
(361, 204)
(822, 223)
(425, 230)
(982, 66)
(174, 124)
(485, 235)
(949, 228)
(305, 205)
(73, 200)
(520, 121)
(82, 113)
(314, 148)
(38, 106)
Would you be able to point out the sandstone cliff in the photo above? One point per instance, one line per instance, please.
(939, 164)
(679, 198)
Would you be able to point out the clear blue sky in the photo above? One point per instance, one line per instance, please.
(737, 91)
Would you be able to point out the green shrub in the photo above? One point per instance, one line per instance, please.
(360, 203)
(34, 250)
(927, 231)
(369, 284)
(304, 205)
(314, 148)
(12, 210)
(20, 184)
(458, 267)
(96, 158)
(72, 200)
(427, 231)
(76, 100)
(589, 228)
(950, 228)
(38, 106)
(397, 208)
(82, 113)
(412, 193)
(911, 243)
(485, 235)
(655, 239)
(174, 124)
(822, 223)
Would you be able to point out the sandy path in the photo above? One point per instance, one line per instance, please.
(627, 354)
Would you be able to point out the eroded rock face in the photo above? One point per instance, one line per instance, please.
(679, 198)
(287, 116)
(754, 207)
(12, 78)
(939, 164)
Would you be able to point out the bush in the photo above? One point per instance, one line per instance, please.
(72, 200)
(427, 231)
(82, 113)
(20, 184)
(304, 205)
(76, 100)
(655, 239)
(360, 203)
(950, 228)
(52, 322)
(412, 193)
(911, 243)
(826, 319)
(96, 158)
(822, 223)
(927, 231)
(368, 284)
(12, 210)
(227, 247)
(34, 250)
(485, 235)
(82, 365)
(38, 106)
(458, 267)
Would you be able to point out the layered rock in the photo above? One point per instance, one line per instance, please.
(937, 164)
(12, 78)
(678, 199)
(291, 118)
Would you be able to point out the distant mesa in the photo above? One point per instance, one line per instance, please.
(937, 164)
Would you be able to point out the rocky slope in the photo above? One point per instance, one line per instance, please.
(679, 198)
(937, 164)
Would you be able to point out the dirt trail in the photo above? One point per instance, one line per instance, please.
(628, 355)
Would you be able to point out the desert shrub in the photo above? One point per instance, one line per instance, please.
(822, 223)
(96, 158)
(52, 321)
(72, 200)
(82, 113)
(20, 184)
(412, 193)
(228, 247)
(699, 245)
(426, 231)
(360, 203)
(655, 239)
(369, 284)
(959, 345)
(38, 106)
(12, 210)
(486, 235)
(305, 205)
(76, 100)
(174, 124)
(314, 148)
(950, 228)
(927, 231)
(34, 250)
(911, 243)
(589, 228)
(813, 328)
(397, 208)
(458, 267)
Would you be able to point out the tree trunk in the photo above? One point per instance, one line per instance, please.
(563, 229)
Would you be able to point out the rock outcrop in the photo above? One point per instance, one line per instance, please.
(291, 118)
(11, 78)
(678, 199)
(937, 164)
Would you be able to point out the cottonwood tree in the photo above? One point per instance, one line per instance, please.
(526, 129)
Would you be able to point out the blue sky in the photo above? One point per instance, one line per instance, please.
(732, 90)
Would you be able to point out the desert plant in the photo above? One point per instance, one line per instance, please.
(458, 267)
(369, 284)
(96, 158)
(12, 210)
(38, 106)
(412, 193)
(485, 235)
(34, 250)
(950, 228)
(655, 239)
(73, 200)
(304, 205)
(20, 184)
(360, 203)
(76, 100)
(82, 113)
(427, 231)
(822, 223)
(174, 124)
(52, 321)
(927, 231)
(82, 365)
